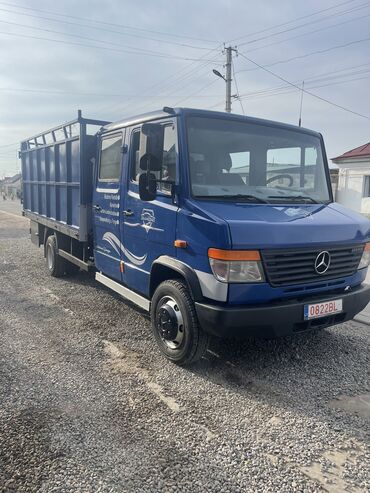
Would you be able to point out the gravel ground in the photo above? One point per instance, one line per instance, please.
(88, 405)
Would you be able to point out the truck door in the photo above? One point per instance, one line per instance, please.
(149, 228)
(107, 205)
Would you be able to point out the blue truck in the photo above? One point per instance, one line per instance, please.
(216, 224)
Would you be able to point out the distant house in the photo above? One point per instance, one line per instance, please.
(11, 185)
(354, 179)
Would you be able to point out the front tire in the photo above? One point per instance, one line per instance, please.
(175, 324)
(55, 264)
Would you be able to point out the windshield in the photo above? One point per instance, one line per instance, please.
(241, 161)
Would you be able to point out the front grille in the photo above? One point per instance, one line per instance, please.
(296, 266)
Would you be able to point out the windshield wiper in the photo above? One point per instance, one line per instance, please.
(294, 198)
(239, 197)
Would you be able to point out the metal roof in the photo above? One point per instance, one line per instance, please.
(362, 151)
(156, 115)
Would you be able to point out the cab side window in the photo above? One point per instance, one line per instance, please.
(134, 155)
(110, 158)
(168, 171)
(168, 168)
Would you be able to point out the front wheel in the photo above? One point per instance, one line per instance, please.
(175, 325)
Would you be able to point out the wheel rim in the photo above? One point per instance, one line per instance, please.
(50, 257)
(170, 323)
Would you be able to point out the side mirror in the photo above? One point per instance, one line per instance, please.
(150, 159)
(147, 186)
(151, 147)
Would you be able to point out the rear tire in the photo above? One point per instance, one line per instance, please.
(55, 264)
(175, 324)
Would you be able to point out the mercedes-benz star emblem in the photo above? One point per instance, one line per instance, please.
(322, 262)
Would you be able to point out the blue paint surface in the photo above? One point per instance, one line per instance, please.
(58, 185)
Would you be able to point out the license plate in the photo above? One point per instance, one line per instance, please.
(323, 309)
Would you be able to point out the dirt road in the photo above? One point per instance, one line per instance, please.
(88, 405)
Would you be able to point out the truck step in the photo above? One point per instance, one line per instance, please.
(123, 291)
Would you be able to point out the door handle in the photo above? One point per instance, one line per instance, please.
(97, 208)
(128, 213)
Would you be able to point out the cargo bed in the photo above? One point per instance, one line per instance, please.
(57, 170)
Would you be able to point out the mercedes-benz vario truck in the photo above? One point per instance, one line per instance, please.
(214, 223)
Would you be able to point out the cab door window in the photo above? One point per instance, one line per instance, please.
(168, 168)
(110, 158)
(168, 171)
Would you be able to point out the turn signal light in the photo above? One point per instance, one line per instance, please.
(236, 266)
(217, 254)
(180, 243)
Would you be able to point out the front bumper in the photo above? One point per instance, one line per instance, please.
(279, 318)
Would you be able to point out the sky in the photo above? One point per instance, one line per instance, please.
(119, 58)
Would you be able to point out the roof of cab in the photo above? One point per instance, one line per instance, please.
(167, 112)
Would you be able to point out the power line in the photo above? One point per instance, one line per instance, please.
(134, 48)
(280, 91)
(101, 94)
(174, 43)
(337, 14)
(291, 21)
(168, 81)
(327, 75)
(196, 92)
(336, 47)
(214, 105)
(173, 57)
(273, 91)
(304, 90)
(189, 78)
(237, 88)
(109, 23)
(186, 74)
(315, 79)
(51, 91)
(192, 76)
(320, 77)
(343, 69)
(283, 90)
(183, 74)
(9, 145)
(361, 17)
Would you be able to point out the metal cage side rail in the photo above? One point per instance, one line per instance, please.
(66, 131)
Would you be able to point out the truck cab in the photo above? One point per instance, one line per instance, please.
(221, 224)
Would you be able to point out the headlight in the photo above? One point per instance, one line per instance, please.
(236, 265)
(365, 259)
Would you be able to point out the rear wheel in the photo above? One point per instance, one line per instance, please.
(175, 325)
(56, 264)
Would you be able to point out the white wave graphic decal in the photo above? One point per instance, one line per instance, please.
(118, 247)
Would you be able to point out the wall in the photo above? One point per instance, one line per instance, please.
(11, 188)
(351, 184)
(350, 189)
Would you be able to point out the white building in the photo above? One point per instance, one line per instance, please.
(354, 179)
(11, 186)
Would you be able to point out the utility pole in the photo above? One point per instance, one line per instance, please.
(227, 77)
